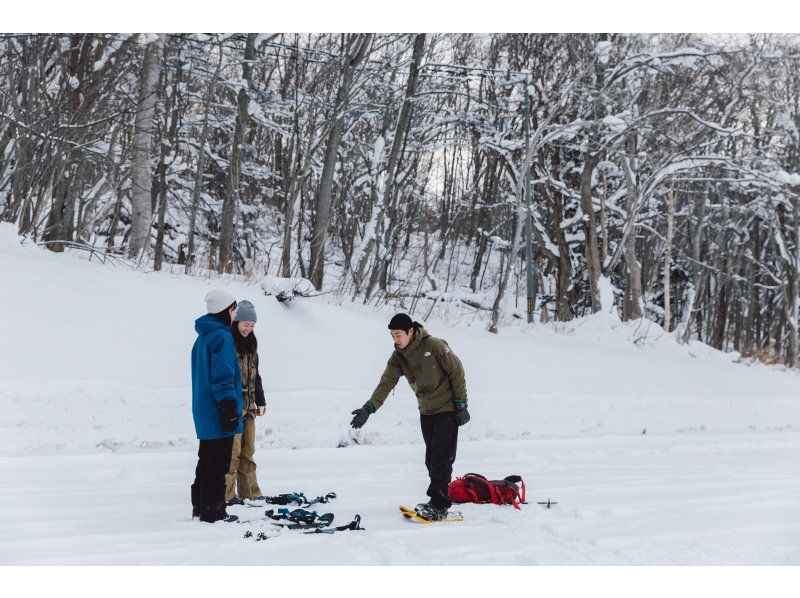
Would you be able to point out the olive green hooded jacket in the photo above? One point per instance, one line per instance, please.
(433, 371)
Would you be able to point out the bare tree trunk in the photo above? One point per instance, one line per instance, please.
(633, 294)
(593, 264)
(792, 270)
(517, 241)
(389, 194)
(141, 177)
(590, 232)
(426, 250)
(232, 186)
(201, 154)
(54, 230)
(292, 188)
(356, 50)
(668, 257)
(60, 221)
(489, 192)
(292, 202)
(753, 318)
(719, 323)
(603, 224)
(172, 136)
(698, 276)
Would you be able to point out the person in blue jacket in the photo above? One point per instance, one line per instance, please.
(216, 404)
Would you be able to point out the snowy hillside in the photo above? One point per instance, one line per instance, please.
(656, 452)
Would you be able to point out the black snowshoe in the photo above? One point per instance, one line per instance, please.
(299, 518)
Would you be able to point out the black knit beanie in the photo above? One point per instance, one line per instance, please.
(402, 322)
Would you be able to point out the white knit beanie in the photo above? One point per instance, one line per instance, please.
(217, 300)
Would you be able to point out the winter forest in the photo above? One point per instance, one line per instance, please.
(413, 169)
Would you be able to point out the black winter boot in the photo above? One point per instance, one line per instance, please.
(217, 513)
(429, 512)
(197, 499)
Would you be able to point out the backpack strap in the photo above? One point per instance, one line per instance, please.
(471, 494)
(515, 479)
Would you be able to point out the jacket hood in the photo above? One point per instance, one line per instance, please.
(207, 324)
(419, 335)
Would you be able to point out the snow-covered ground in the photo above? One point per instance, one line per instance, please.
(657, 453)
(688, 499)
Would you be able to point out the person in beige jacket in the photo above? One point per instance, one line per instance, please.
(436, 376)
(241, 482)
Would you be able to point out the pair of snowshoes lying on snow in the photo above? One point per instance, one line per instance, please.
(310, 521)
(295, 498)
(292, 498)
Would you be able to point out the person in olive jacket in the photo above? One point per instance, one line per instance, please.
(241, 481)
(436, 376)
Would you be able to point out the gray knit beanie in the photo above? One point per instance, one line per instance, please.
(246, 312)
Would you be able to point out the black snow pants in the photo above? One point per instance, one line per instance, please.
(208, 490)
(440, 432)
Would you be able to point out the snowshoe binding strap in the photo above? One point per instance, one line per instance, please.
(430, 513)
(322, 499)
(292, 498)
(354, 525)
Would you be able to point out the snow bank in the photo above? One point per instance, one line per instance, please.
(284, 289)
(96, 359)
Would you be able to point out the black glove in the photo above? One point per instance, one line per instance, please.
(361, 415)
(228, 415)
(462, 415)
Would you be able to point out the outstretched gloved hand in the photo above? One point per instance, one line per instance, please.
(361, 415)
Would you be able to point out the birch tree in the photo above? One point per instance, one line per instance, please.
(141, 173)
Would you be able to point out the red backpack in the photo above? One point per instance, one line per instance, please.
(473, 487)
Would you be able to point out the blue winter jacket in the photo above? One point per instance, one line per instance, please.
(215, 377)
